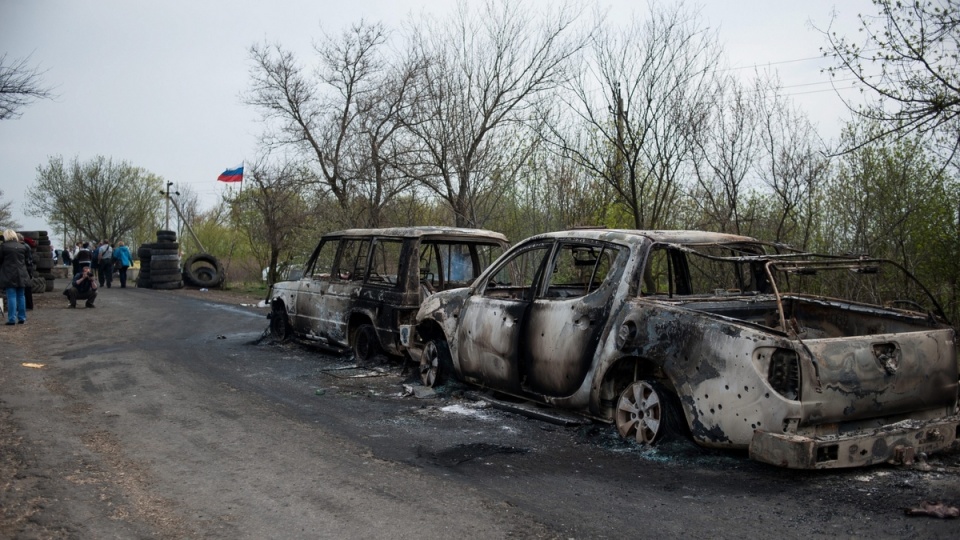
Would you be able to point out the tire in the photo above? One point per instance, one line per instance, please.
(166, 236)
(163, 252)
(366, 344)
(38, 285)
(647, 412)
(203, 270)
(48, 285)
(168, 285)
(436, 365)
(144, 252)
(143, 283)
(164, 277)
(159, 266)
(279, 322)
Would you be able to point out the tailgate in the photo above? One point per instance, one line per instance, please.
(863, 377)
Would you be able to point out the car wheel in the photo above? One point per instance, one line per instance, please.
(435, 363)
(279, 322)
(366, 344)
(647, 412)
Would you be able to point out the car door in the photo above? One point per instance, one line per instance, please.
(566, 319)
(493, 319)
(308, 317)
(346, 282)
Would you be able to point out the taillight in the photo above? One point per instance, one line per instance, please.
(784, 373)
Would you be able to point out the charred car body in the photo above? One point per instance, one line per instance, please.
(359, 285)
(805, 360)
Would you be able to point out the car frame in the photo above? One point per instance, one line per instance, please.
(359, 285)
(675, 338)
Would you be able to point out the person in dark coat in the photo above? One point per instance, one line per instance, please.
(83, 287)
(83, 257)
(14, 277)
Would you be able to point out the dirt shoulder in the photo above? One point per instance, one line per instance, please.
(29, 494)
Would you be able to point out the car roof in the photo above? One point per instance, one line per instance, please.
(689, 237)
(425, 231)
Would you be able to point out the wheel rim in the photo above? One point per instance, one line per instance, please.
(365, 347)
(639, 413)
(429, 365)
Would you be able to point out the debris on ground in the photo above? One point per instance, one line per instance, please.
(935, 509)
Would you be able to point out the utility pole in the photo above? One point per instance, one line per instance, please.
(166, 224)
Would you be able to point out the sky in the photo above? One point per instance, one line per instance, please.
(160, 84)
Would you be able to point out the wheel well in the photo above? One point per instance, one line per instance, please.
(277, 303)
(429, 330)
(623, 372)
(356, 321)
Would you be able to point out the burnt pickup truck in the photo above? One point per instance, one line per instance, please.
(360, 284)
(805, 360)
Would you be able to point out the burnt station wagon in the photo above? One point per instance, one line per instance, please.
(359, 285)
(807, 361)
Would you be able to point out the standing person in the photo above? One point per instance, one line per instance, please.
(13, 276)
(83, 258)
(123, 257)
(83, 287)
(105, 264)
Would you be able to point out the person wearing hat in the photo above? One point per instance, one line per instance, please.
(14, 277)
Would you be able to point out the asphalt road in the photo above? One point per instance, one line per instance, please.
(160, 414)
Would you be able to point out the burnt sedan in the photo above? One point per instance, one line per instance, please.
(807, 361)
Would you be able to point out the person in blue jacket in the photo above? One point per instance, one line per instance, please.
(124, 259)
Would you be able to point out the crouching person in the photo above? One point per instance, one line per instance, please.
(83, 287)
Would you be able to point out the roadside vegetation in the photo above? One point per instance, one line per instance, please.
(525, 120)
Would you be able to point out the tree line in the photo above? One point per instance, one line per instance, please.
(519, 120)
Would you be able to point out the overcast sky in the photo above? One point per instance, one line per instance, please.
(158, 84)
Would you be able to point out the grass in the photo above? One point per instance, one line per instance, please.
(253, 288)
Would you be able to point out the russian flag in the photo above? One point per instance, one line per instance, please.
(231, 175)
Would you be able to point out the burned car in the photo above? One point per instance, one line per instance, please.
(807, 361)
(359, 285)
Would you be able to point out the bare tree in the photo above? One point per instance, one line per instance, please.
(485, 71)
(794, 165)
(344, 115)
(646, 90)
(99, 199)
(274, 212)
(907, 60)
(726, 153)
(6, 215)
(378, 151)
(20, 85)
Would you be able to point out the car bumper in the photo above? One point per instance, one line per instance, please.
(896, 443)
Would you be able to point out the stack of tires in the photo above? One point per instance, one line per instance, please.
(43, 259)
(143, 277)
(160, 263)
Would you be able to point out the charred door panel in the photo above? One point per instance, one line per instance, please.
(566, 319)
(559, 344)
(308, 320)
(489, 338)
(308, 311)
(493, 320)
